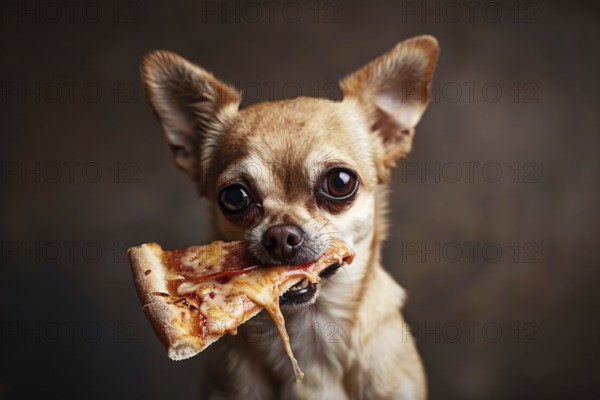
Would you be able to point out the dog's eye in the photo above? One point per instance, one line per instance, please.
(234, 198)
(340, 184)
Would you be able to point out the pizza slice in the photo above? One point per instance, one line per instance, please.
(196, 295)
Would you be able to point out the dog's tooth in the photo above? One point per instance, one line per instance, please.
(304, 283)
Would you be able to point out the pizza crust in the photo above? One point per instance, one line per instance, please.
(149, 275)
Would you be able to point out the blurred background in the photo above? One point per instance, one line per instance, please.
(495, 218)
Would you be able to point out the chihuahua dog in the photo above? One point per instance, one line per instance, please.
(287, 176)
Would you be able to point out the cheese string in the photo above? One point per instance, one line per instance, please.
(275, 313)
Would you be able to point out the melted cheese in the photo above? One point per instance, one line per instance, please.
(227, 301)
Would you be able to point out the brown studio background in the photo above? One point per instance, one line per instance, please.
(489, 326)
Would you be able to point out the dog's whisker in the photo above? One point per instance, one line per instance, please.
(326, 223)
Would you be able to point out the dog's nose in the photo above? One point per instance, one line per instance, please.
(283, 241)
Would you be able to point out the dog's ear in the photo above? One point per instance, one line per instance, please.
(191, 105)
(394, 89)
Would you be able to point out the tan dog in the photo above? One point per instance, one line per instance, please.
(287, 176)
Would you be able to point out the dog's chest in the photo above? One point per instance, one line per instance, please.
(320, 335)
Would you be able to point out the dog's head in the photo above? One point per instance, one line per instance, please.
(289, 175)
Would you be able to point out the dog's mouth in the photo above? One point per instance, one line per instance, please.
(305, 292)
